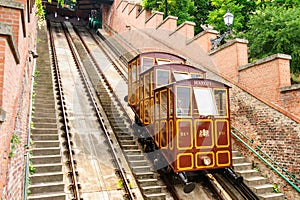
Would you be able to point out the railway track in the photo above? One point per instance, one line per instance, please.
(146, 177)
(74, 114)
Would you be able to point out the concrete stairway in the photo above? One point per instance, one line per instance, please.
(47, 181)
(253, 178)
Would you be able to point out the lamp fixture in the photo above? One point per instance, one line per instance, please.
(228, 20)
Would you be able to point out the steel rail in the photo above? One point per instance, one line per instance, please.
(121, 171)
(75, 185)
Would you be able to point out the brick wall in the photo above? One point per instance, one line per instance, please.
(16, 68)
(277, 134)
(265, 77)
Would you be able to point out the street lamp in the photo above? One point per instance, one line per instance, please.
(228, 20)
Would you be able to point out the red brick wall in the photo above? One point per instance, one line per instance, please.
(267, 76)
(290, 98)
(276, 133)
(228, 57)
(15, 92)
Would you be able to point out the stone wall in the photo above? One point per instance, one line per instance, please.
(17, 39)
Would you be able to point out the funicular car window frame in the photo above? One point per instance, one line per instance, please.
(183, 99)
(182, 75)
(162, 61)
(163, 104)
(196, 75)
(224, 102)
(205, 101)
(157, 81)
(147, 85)
(147, 66)
(171, 102)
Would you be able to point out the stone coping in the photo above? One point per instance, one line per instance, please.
(227, 44)
(153, 14)
(201, 34)
(167, 18)
(290, 88)
(264, 60)
(181, 25)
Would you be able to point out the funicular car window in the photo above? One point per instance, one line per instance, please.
(221, 101)
(156, 105)
(147, 85)
(205, 101)
(181, 76)
(183, 103)
(163, 104)
(147, 63)
(194, 75)
(133, 73)
(161, 61)
(171, 108)
(163, 77)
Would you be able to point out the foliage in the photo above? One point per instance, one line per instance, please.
(14, 141)
(201, 11)
(276, 188)
(280, 36)
(241, 10)
(40, 10)
(183, 9)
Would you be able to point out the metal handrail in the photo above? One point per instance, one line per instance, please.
(265, 161)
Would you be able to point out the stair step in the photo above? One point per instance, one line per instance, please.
(125, 137)
(46, 151)
(46, 143)
(271, 196)
(252, 181)
(40, 137)
(236, 160)
(133, 151)
(48, 196)
(135, 157)
(248, 173)
(262, 189)
(47, 187)
(46, 177)
(144, 175)
(138, 162)
(140, 168)
(44, 168)
(152, 189)
(45, 125)
(49, 159)
(156, 196)
(127, 142)
(130, 147)
(44, 131)
(43, 120)
(242, 166)
(147, 182)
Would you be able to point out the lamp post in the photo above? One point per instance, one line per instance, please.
(228, 20)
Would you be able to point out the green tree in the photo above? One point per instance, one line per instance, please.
(241, 9)
(183, 9)
(275, 30)
(201, 11)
